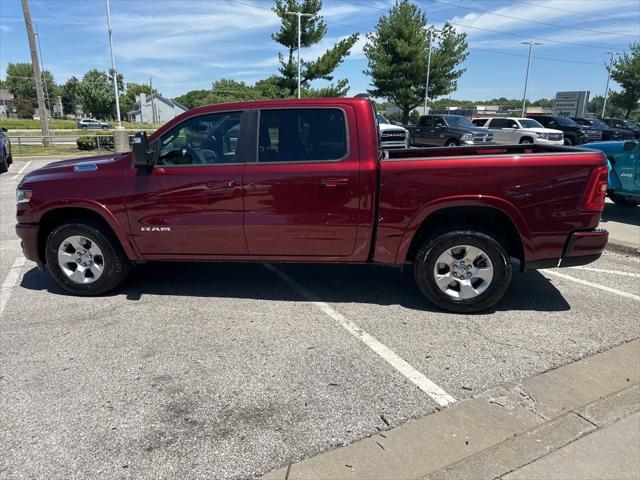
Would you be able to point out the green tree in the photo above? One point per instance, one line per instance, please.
(313, 29)
(128, 99)
(95, 93)
(626, 71)
(397, 55)
(227, 90)
(69, 95)
(21, 83)
(193, 98)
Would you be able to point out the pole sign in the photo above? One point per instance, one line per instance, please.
(571, 104)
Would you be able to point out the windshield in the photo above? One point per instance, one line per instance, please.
(381, 119)
(529, 123)
(565, 121)
(458, 121)
(598, 124)
(631, 124)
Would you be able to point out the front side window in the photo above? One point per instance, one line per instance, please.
(459, 121)
(438, 122)
(204, 140)
(510, 124)
(302, 135)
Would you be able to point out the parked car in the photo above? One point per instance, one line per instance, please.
(392, 136)
(624, 171)
(92, 123)
(622, 124)
(574, 134)
(306, 182)
(6, 157)
(512, 130)
(447, 131)
(608, 133)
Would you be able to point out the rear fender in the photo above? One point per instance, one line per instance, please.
(466, 201)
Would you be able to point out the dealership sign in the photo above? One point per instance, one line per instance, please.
(571, 104)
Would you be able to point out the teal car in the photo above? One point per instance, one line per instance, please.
(624, 171)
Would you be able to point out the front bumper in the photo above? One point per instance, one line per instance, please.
(390, 145)
(28, 233)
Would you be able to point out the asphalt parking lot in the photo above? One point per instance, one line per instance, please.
(231, 370)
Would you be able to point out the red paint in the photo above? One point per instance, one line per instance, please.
(320, 211)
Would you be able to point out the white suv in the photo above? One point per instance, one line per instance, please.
(512, 130)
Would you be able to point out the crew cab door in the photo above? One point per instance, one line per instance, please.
(422, 131)
(190, 202)
(302, 191)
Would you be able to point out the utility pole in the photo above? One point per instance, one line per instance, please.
(606, 90)
(44, 80)
(113, 65)
(153, 105)
(526, 78)
(37, 75)
(426, 88)
(299, 15)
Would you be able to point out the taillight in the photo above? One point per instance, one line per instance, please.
(593, 200)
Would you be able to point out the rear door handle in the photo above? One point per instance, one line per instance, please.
(223, 185)
(334, 182)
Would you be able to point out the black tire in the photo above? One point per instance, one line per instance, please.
(569, 141)
(425, 262)
(622, 201)
(4, 162)
(452, 143)
(115, 262)
(526, 141)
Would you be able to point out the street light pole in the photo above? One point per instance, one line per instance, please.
(526, 78)
(299, 15)
(426, 88)
(113, 65)
(606, 90)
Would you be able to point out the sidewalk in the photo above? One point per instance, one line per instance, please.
(579, 421)
(623, 224)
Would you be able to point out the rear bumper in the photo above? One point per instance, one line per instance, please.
(581, 248)
(28, 233)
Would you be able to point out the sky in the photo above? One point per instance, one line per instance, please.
(187, 44)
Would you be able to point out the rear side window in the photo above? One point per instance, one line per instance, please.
(302, 135)
(497, 123)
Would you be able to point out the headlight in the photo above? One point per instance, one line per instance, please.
(467, 137)
(23, 196)
(542, 135)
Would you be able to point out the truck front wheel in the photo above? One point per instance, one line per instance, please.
(463, 271)
(85, 259)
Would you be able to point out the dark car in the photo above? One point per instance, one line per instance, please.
(6, 158)
(447, 131)
(574, 134)
(622, 124)
(608, 133)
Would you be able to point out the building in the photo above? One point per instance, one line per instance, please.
(6, 103)
(155, 109)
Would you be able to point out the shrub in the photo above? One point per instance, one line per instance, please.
(87, 143)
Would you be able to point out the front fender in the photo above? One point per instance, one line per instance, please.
(499, 204)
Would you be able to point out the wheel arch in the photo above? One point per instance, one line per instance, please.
(486, 215)
(90, 214)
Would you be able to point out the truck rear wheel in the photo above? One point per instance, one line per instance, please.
(85, 259)
(463, 271)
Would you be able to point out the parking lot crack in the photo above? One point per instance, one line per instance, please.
(478, 331)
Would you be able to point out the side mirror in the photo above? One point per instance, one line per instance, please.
(142, 157)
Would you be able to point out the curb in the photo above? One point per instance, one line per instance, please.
(625, 248)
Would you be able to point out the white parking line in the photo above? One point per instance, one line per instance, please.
(24, 167)
(594, 285)
(614, 272)
(441, 397)
(10, 282)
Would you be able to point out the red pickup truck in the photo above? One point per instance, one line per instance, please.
(306, 181)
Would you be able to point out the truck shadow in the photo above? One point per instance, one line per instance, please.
(616, 213)
(363, 284)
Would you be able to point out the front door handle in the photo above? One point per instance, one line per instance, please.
(334, 182)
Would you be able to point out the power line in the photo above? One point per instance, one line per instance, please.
(474, 10)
